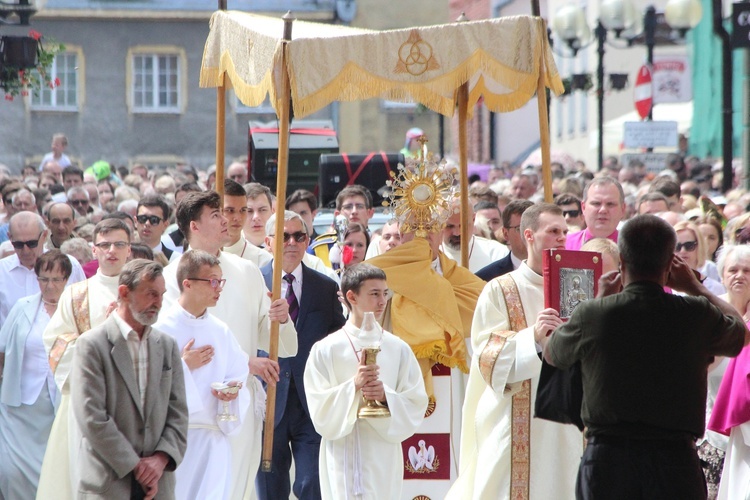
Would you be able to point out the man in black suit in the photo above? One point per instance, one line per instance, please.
(514, 238)
(316, 311)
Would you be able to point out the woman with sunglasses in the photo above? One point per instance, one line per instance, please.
(692, 248)
(28, 394)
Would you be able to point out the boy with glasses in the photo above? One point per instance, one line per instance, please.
(211, 354)
(80, 308)
(246, 308)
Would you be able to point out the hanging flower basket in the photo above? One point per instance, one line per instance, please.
(26, 63)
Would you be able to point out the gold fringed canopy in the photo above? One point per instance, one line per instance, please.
(501, 60)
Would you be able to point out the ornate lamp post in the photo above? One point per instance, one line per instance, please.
(620, 17)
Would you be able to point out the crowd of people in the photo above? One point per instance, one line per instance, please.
(135, 326)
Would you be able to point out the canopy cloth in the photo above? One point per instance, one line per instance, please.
(501, 60)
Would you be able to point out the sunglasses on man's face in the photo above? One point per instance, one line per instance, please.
(18, 245)
(153, 219)
(571, 213)
(299, 236)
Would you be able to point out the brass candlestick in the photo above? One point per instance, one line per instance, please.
(372, 408)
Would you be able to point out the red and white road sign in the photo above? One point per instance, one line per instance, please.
(644, 91)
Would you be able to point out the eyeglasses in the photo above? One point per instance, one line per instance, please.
(153, 219)
(689, 246)
(18, 245)
(299, 236)
(571, 213)
(352, 206)
(513, 227)
(213, 282)
(45, 281)
(106, 245)
(79, 202)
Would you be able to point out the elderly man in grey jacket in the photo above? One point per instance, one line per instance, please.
(128, 396)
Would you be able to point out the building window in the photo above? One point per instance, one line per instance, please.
(156, 83)
(65, 96)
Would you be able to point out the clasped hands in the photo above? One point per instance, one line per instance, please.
(367, 380)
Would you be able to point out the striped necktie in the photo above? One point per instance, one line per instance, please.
(291, 298)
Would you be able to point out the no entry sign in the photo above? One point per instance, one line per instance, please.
(644, 92)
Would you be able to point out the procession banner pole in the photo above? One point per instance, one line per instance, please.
(281, 178)
(541, 99)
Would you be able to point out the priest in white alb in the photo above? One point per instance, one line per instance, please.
(206, 468)
(82, 306)
(505, 453)
(361, 457)
(246, 308)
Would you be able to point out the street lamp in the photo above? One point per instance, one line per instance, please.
(620, 17)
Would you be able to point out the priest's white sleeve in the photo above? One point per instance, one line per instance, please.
(62, 322)
(236, 371)
(503, 357)
(333, 405)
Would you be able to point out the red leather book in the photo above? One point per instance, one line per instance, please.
(570, 277)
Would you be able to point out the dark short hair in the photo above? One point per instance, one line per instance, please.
(233, 188)
(109, 224)
(302, 195)
(72, 171)
(141, 251)
(568, 199)
(155, 200)
(515, 207)
(354, 276)
(665, 186)
(254, 190)
(191, 263)
(486, 205)
(354, 190)
(138, 270)
(188, 187)
(54, 259)
(646, 244)
(530, 217)
(191, 206)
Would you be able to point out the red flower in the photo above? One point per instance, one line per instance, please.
(57, 82)
(24, 93)
(21, 73)
(347, 254)
(8, 97)
(35, 34)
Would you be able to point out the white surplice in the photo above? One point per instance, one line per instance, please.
(246, 250)
(362, 458)
(482, 252)
(59, 468)
(206, 468)
(485, 460)
(243, 306)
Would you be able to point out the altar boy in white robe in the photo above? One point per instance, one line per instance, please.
(206, 469)
(362, 458)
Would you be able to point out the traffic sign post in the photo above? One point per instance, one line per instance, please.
(741, 25)
(644, 92)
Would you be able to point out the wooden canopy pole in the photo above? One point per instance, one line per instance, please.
(221, 106)
(463, 161)
(284, 94)
(463, 100)
(541, 100)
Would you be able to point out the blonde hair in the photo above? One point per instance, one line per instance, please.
(603, 246)
(684, 225)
